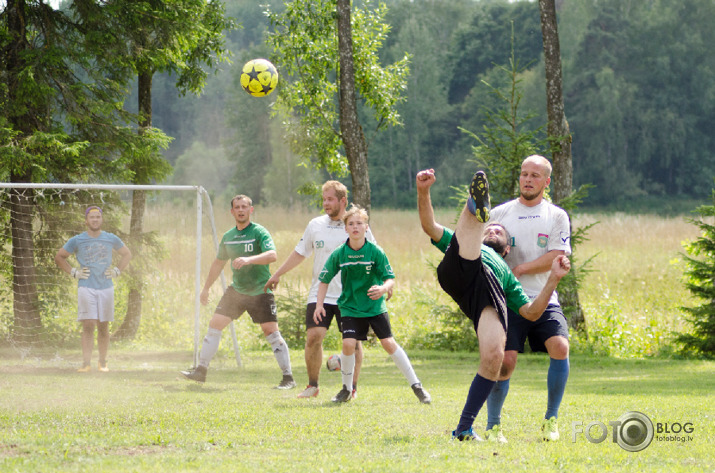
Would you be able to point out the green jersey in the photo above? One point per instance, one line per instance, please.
(359, 271)
(515, 295)
(252, 240)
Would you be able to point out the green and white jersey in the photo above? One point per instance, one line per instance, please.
(359, 271)
(515, 295)
(322, 236)
(252, 240)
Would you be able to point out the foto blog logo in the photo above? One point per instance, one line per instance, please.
(633, 431)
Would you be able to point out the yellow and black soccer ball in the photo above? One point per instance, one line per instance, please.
(259, 77)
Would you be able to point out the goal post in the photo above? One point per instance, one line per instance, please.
(28, 203)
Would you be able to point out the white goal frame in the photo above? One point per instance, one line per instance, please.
(201, 194)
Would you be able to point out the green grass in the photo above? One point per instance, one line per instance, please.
(142, 417)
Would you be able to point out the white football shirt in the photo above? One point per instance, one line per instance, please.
(534, 232)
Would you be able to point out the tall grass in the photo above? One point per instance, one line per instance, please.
(631, 296)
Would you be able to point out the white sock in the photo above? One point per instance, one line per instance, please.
(402, 362)
(280, 351)
(209, 347)
(347, 366)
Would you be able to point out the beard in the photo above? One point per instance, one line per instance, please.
(496, 245)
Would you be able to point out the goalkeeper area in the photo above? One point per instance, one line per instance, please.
(156, 301)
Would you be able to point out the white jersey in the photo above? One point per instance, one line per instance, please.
(534, 232)
(323, 236)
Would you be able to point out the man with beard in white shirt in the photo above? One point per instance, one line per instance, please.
(322, 235)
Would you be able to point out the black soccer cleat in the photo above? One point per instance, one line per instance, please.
(196, 374)
(343, 396)
(478, 203)
(421, 393)
(287, 382)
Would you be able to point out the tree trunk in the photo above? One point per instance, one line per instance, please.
(132, 319)
(559, 137)
(26, 308)
(350, 128)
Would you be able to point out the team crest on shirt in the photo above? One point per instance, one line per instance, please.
(542, 240)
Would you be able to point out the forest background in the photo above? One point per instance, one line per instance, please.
(639, 93)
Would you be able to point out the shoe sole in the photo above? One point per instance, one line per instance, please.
(479, 192)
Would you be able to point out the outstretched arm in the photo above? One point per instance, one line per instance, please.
(293, 260)
(214, 273)
(533, 310)
(425, 179)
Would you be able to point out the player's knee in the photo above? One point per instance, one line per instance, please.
(314, 337)
(558, 347)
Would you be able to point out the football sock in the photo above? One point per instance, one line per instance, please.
(403, 363)
(280, 351)
(209, 347)
(556, 384)
(495, 401)
(347, 366)
(478, 392)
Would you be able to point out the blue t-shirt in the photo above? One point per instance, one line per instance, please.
(94, 253)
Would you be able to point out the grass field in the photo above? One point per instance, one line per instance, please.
(142, 417)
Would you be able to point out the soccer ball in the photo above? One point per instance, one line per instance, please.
(259, 77)
(333, 363)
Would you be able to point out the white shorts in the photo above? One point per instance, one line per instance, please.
(95, 304)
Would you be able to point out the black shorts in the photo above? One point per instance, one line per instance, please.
(550, 324)
(357, 327)
(472, 285)
(331, 310)
(261, 308)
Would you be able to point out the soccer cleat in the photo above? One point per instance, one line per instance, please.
(343, 396)
(195, 374)
(478, 203)
(310, 391)
(495, 434)
(550, 429)
(466, 435)
(84, 369)
(421, 393)
(287, 382)
(103, 367)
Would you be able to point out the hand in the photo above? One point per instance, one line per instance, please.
(80, 273)
(376, 292)
(389, 295)
(318, 314)
(204, 297)
(112, 273)
(425, 179)
(561, 266)
(272, 283)
(239, 262)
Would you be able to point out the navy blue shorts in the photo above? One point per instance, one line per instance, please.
(331, 310)
(472, 285)
(357, 327)
(550, 324)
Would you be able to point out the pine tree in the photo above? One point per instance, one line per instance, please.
(700, 280)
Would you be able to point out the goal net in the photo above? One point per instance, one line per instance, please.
(38, 301)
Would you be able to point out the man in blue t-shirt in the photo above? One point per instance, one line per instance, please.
(95, 292)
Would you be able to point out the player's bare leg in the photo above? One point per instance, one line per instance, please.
(88, 327)
(103, 344)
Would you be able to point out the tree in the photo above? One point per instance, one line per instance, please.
(61, 120)
(559, 137)
(179, 37)
(700, 280)
(322, 73)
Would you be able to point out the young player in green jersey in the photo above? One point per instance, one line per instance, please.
(250, 248)
(366, 277)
